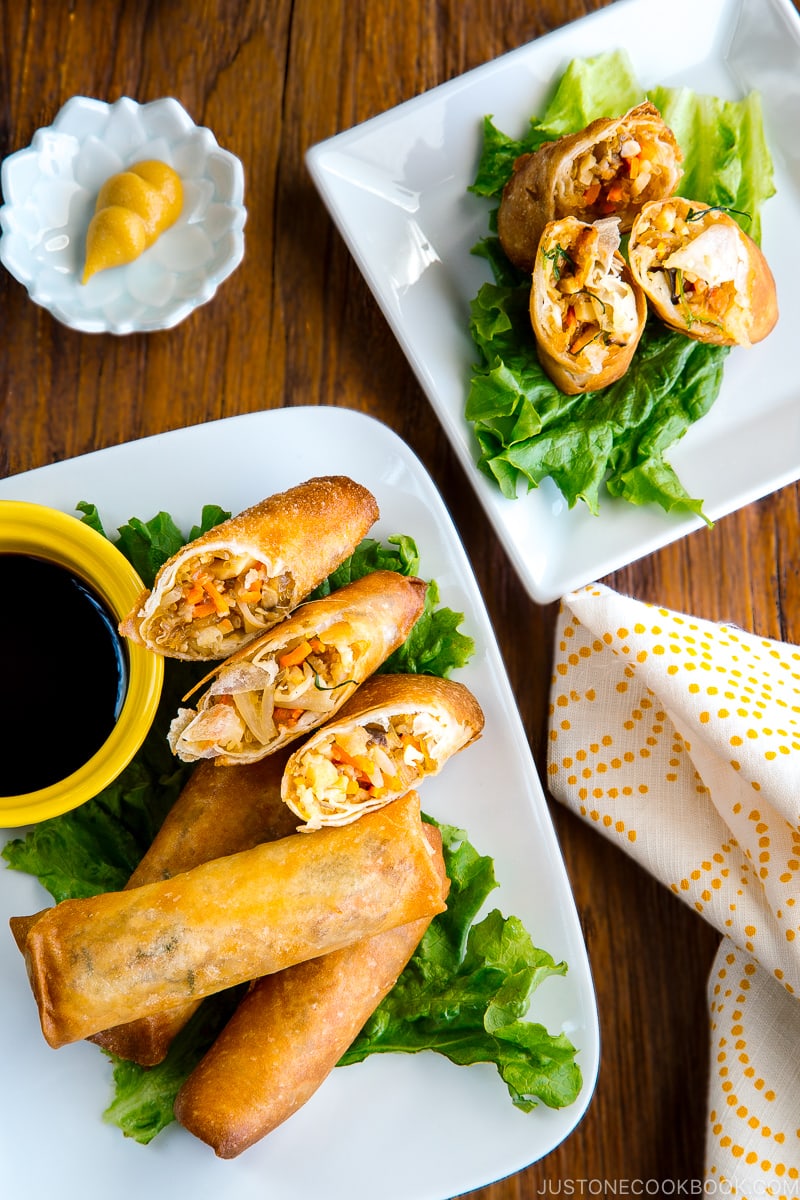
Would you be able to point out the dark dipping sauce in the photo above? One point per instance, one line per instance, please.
(65, 673)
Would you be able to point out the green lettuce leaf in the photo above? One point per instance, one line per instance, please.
(398, 554)
(144, 1098)
(148, 544)
(726, 158)
(615, 439)
(603, 86)
(468, 987)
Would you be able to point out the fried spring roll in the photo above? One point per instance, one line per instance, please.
(292, 679)
(219, 812)
(609, 169)
(392, 733)
(124, 955)
(233, 583)
(587, 313)
(287, 1035)
(702, 274)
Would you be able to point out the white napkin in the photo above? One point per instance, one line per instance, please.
(679, 739)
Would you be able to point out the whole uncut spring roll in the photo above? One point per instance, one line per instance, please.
(287, 1035)
(298, 675)
(702, 274)
(220, 811)
(233, 583)
(609, 169)
(587, 313)
(123, 955)
(392, 733)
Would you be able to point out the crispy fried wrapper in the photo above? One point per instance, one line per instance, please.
(587, 312)
(393, 732)
(233, 583)
(610, 168)
(287, 1035)
(125, 955)
(219, 811)
(702, 274)
(299, 674)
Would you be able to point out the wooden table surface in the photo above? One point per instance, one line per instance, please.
(296, 324)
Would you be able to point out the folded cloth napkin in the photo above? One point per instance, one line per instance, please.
(679, 739)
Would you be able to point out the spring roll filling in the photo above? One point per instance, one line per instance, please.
(589, 306)
(695, 264)
(218, 595)
(387, 755)
(613, 174)
(250, 700)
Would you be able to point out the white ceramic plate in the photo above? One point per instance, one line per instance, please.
(50, 190)
(396, 1127)
(397, 188)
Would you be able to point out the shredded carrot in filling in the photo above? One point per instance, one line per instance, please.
(297, 655)
(619, 174)
(363, 775)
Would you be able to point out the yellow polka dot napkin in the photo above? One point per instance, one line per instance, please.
(679, 739)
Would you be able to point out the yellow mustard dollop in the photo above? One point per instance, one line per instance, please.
(133, 208)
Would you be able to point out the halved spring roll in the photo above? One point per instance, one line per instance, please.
(298, 675)
(116, 957)
(702, 274)
(287, 1035)
(233, 583)
(609, 169)
(394, 732)
(587, 313)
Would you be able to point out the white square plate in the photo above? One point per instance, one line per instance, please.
(397, 1127)
(396, 187)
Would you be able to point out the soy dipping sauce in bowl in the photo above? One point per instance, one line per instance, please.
(79, 699)
(66, 692)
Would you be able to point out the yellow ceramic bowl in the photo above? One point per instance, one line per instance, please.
(46, 533)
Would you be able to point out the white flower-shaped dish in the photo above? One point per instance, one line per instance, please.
(49, 191)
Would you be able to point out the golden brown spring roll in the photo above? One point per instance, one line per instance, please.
(287, 1035)
(609, 169)
(219, 812)
(124, 955)
(587, 313)
(238, 580)
(395, 731)
(298, 675)
(702, 274)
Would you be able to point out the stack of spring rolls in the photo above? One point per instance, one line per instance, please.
(320, 919)
(560, 220)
